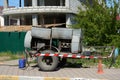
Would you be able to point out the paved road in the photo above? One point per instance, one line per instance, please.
(10, 68)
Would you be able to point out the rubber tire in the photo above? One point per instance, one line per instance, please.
(44, 67)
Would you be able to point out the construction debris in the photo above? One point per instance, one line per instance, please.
(15, 28)
(27, 28)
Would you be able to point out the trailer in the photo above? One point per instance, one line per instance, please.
(53, 46)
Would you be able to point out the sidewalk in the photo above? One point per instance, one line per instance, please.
(9, 70)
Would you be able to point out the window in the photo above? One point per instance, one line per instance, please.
(54, 2)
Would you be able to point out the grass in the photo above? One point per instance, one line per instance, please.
(94, 62)
(10, 56)
(117, 64)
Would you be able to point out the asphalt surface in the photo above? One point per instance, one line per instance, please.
(11, 68)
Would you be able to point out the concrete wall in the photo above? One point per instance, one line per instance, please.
(67, 7)
(74, 4)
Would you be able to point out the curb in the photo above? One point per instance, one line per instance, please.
(5, 77)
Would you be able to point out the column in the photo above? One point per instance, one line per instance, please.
(68, 20)
(5, 3)
(34, 19)
(67, 3)
(34, 2)
(18, 22)
(2, 21)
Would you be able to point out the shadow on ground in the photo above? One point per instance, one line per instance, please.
(35, 66)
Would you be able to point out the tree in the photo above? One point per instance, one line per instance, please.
(98, 23)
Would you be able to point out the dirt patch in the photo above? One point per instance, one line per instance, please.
(4, 58)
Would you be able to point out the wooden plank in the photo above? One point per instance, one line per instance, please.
(15, 28)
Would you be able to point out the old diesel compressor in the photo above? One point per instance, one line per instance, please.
(52, 46)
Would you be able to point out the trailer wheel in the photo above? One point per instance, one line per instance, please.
(48, 63)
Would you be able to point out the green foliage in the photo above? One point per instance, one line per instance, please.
(99, 24)
(115, 40)
(117, 64)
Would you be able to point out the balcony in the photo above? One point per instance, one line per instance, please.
(37, 9)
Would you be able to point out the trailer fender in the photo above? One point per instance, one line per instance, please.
(27, 40)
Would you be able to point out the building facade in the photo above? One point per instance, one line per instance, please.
(1, 17)
(42, 12)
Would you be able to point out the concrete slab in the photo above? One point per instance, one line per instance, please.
(12, 69)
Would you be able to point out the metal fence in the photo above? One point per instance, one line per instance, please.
(12, 41)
